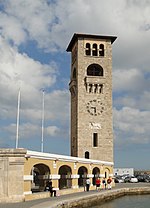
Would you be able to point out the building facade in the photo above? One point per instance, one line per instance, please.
(24, 174)
(91, 96)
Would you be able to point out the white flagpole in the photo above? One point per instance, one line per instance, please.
(17, 125)
(42, 141)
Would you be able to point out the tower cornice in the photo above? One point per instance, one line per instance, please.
(76, 36)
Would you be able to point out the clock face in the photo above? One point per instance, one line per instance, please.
(95, 107)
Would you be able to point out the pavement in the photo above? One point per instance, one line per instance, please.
(50, 202)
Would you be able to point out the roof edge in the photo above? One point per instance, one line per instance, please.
(78, 35)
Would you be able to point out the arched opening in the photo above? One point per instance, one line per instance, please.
(88, 49)
(107, 172)
(94, 50)
(96, 173)
(65, 180)
(87, 155)
(41, 174)
(94, 70)
(101, 50)
(82, 172)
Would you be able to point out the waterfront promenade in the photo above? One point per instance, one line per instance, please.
(52, 201)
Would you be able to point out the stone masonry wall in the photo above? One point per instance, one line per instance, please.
(11, 174)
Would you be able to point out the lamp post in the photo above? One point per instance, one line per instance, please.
(42, 140)
(17, 124)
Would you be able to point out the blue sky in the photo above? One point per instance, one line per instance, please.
(34, 36)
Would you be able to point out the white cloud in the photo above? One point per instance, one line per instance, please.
(32, 20)
(58, 107)
(145, 100)
(129, 80)
(131, 125)
(52, 24)
(52, 130)
(133, 86)
(12, 29)
(26, 130)
(18, 70)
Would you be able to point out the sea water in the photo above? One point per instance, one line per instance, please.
(131, 201)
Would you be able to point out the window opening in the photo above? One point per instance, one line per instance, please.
(94, 49)
(88, 49)
(94, 70)
(95, 139)
(87, 155)
(101, 50)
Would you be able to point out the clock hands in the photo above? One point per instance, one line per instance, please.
(94, 109)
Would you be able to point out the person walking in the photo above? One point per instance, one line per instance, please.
(84, 183)
(87, 184)
(104, 183)
(109, 183)
(98, 183)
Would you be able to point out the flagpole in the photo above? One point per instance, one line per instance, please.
(42, 140)
(17, 124)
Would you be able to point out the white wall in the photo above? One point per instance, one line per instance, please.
(123, 171)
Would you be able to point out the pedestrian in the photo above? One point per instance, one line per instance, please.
(84, 183)
(98, 183)
(104, 183)
(87, 184)
(109, 183)
(50, 188)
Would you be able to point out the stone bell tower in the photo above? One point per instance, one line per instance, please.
(91, 96)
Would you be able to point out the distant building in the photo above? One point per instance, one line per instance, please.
(123, 171)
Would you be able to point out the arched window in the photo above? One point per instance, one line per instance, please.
(88, 49)
(87, 155)
(74, 76)
(101, 50)
(94, 70)
(94, 50)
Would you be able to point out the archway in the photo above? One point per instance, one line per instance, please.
(41, 174)
(65, 180)
(82, 172)
(96, 173)
(107, 172)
